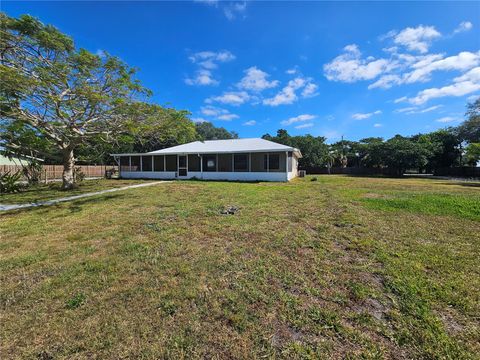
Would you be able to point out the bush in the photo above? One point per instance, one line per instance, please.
(9, 182)
(314, 179)
(78, 175)
(32, 172)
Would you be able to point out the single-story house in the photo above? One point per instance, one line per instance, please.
(236, 159)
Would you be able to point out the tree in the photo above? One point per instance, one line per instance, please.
(314, 150)
(207, 131)
(443, 146)
(472, 154)
(469, 130)
(62, 94)
(400, 154)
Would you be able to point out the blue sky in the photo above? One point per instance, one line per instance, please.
(324, 68)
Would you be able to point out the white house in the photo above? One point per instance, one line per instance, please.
(236, 159)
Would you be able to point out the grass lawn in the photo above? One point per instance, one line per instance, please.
(53, 190)
(342, 267)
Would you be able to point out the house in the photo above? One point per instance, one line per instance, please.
(19, 160)
(236, 159)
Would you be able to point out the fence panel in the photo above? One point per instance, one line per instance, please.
(54, 172)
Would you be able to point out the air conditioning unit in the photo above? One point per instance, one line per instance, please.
(302, 173)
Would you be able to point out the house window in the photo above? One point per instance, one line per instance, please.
(209, 163)
(240, 162)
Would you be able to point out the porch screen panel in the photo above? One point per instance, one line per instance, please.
(290, 166)
(276, 162)
(193, 163)
(209, 163)
(135, 163)
(125, 163)
(146, 163)
(258, 162)
(225, 162)
(171, 162)
(240, 162)
(158, 163)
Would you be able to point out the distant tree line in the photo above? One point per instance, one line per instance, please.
(450, 147)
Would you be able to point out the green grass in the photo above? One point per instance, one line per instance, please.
(342, 267)
(43, 192)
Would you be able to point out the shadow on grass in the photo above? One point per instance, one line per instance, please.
(73, 205)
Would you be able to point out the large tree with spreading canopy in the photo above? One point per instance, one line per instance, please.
(63, 94)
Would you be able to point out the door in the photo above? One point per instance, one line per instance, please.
(182, 165)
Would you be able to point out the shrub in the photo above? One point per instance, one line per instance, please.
(314, 179)
(9, 182)
(78, 175)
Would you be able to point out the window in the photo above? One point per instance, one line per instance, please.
(240, 162)
(209, 163)
(135, 163)
(146, 163)
(158, 163)
(274, 162)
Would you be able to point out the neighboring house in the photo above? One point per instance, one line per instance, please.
(236, 159)
(17, 160)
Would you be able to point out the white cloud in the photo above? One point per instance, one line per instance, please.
(463, 61)
(299, 118)
(304, 126)
(288, 94)
(350, 67)
(417, 39)
(256, 80)
(292, 71)
(402, 99)
(310, 90)
(207, 2)
(377, 125)
(386, 82)
(218, 113)
(250, 123)
(362, 116)
(199, 120)
(233, 10)
(230, 98)
(228, 117)
(463, 26)
(415, 110)
(462, 85)
(473, 98)
(207, 61)
(446, 119)
(202, 77)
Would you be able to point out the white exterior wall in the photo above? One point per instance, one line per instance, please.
(207, 175)
(294, 173)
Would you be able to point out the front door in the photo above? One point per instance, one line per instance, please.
(182, 165)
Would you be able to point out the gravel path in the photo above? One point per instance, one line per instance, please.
(6, 207)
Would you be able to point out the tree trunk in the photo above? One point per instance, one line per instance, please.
(68, 164)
